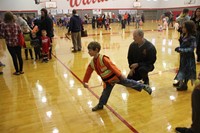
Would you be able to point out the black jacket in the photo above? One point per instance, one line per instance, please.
(75, 24)
(144, 55)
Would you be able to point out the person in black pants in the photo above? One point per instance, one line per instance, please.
(17, 57)
(195, 126)
(141, 57)
(46, 23)
(10, 31)
(196, 20)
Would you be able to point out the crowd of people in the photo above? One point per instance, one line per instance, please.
(13, 26)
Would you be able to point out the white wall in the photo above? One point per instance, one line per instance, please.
(18, 5)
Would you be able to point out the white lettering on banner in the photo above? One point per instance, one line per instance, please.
(77, 3)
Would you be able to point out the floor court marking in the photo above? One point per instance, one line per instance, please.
(109, 107)
(113, 33)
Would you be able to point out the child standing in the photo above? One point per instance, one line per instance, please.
(35, 43)
(109, 73)
(187, 68)
(45, 46)
(27, 39)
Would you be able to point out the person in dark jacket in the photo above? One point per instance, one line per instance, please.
(195, 128)
(46, 24)
(75, 26)
(196, 20)
(187, 67)
(141, 57)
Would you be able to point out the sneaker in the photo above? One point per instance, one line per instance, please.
(16, 73)
(21, 72)
(183, 130)
(74, 51)
(97, 107)
(148, 89)
(176, 84)
(182, 87)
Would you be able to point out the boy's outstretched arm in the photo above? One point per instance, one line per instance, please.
(87, 76)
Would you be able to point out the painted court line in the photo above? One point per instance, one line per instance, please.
(109, 107)
(113, 33)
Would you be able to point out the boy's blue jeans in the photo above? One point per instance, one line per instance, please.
(126, 82)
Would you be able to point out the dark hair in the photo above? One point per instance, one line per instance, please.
(45, 11)
(190, 27)
(94, 45)
(8, 17)
(21, 14)
(73, 11)
(196, 12)
(185, 10)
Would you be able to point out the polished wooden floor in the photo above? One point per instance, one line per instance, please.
(49, 97)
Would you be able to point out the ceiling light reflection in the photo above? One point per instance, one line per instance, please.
(163, 49)
(90, 104)
(39, 87)
(79, 92)
(55, 130)
(49, 114)
(102, 121)
(44, 99)
(173, 98)
(71, 82)
(65, 75)
(153, 88)
(124, 96)
(169, 51)
(169, 42)
(164, 42)
(164, 64)
(169, 127)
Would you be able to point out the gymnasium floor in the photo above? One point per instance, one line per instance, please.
(49, 97)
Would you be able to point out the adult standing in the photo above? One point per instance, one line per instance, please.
(195, 128)
(184, 16)
(21, 22)
(10, 30)
(196, 20)
(142, 17)
(46, 23)
(141, 57)
(75, 26)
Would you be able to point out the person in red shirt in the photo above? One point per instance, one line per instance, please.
(109, 73)
(45, 46)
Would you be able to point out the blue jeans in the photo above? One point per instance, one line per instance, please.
(126, 82)
(132, 84)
